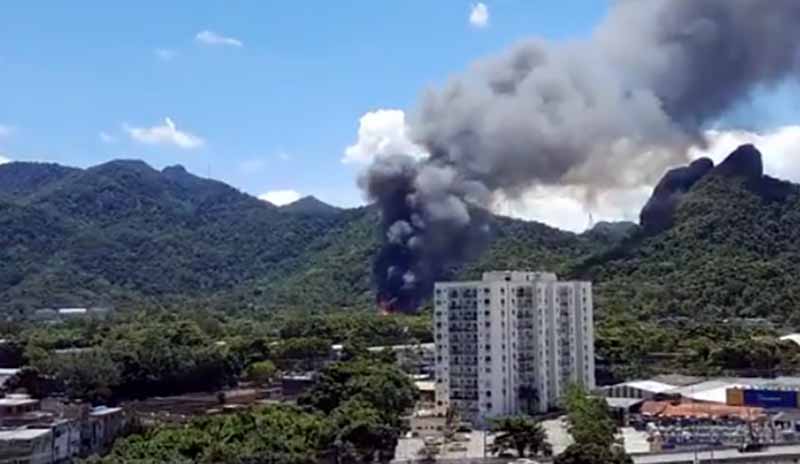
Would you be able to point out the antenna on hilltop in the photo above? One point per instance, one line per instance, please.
(591, 221)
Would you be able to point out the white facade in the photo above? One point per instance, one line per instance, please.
(511, 343)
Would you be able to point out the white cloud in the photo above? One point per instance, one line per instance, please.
(566, 208)
(6, 131)
(381, 133)
(780, 148)
(105, 137)
(283, 156)
(280, 197)
(165, 54)
(212, 38)
(4, 160)
(167, 134)
(479, 15)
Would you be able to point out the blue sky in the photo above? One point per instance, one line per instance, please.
(263, 95)
(274, 113)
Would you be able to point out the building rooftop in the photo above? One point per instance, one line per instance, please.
(425, 385)
(73, 350)
(104, 410)
(68, 311)
(518, 276)
(623, 403)
(679, 380)
(22, 434)
(298, 377)
(650, 386)
(17, 400)
(417, 346)
(688, 408)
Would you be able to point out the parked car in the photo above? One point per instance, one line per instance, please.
(751, 447)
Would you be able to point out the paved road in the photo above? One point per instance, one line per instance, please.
(784, 453)
(408, 448)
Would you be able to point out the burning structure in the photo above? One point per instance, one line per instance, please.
(613, 110)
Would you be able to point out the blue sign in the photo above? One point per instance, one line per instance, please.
(770, 398)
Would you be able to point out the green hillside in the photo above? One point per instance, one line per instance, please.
(123, 233)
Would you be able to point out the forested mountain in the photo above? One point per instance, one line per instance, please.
(721, 243)
(123, 232)
(732, 250)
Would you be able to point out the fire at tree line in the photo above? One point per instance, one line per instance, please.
(670, 335)
(179, 381)
(480, 367)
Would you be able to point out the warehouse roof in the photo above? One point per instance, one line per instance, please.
(650, 386)
(622, 403)
(22, 434)
(700, 410)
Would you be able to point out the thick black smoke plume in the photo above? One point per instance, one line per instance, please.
(613, 110)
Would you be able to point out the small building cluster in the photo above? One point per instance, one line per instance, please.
(678, 411)
(50, 431)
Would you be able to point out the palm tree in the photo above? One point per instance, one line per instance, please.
(521, 433)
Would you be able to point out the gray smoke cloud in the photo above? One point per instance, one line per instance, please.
(613, 110)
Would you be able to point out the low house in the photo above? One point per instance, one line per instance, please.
(292, 386)
(66, 439)
(427, 423)
(17, 404)
(29, 446)
(102, 426)
(427, 393)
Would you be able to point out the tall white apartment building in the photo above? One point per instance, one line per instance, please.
(511, 343)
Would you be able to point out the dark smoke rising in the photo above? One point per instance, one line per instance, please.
(613, 110)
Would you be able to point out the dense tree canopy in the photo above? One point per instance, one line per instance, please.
(357, 420)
